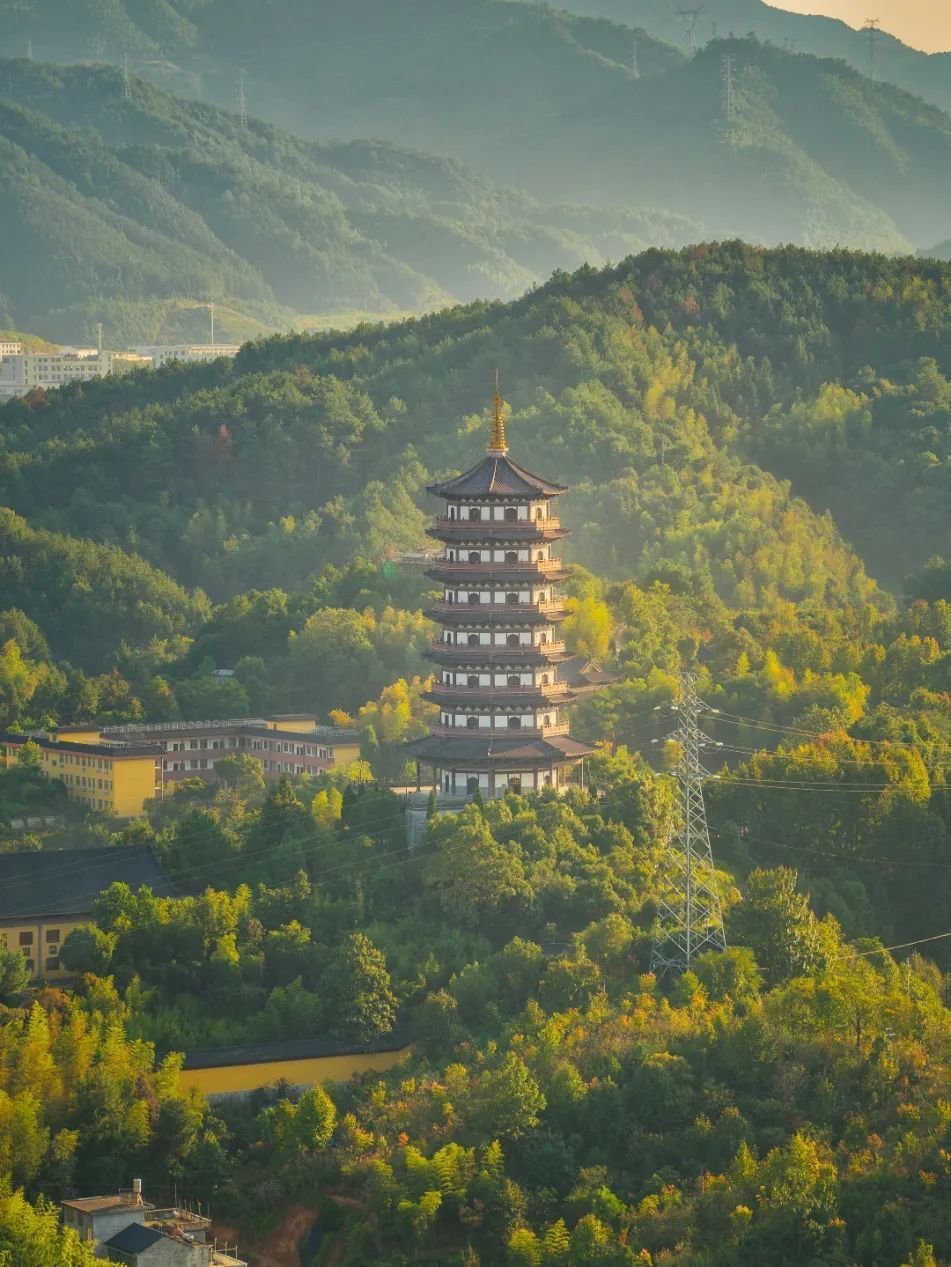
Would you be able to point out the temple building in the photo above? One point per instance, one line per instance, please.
(501, 683)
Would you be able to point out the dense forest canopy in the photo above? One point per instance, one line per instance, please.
(757, 443)
(128, 212)
(812, 150)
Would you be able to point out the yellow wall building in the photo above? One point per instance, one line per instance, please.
(301, 1063)
(44, 894)
(114, 778)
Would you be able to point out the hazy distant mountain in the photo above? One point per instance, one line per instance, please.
(552, 104)
(127, 212)
(927, 75)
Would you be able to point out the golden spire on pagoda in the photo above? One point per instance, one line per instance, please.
(497, 442)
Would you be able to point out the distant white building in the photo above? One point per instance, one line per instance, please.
(21, 372)
(159, 353)
(10, 347)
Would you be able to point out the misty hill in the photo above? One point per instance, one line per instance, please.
(117, 211)
(926, 74)
(551, 103)
(678, 392)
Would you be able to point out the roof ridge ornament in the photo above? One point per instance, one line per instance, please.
(497, 441)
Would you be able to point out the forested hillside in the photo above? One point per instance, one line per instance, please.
(815, 152)
(123, 212)
(758, 447)
(926, 75)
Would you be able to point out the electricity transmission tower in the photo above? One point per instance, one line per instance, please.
(729, 97)
(242, 100)
(689, 916)
(690, 18)
(871, 28)
(635, 64)
(126, 82)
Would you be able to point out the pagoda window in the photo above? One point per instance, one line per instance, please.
(515, 783)
(511, 513)
(511, 598)
(514, 680)
(474, 640)
(540, 556)
(472, 679)
(544, 680)
(512, 640)
(475, 556)
(547, 721)
(472, 784)
(474, 598)
(511, 556)
(472, 723)
(475, 512)
(515, 723)
(452, 512)
(450, 637)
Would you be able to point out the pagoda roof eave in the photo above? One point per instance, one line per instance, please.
(496, 475)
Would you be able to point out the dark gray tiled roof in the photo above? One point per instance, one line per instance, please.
(293, 1049)
(496, 751)
(68, 881)
(496, 476)
(134, 1239)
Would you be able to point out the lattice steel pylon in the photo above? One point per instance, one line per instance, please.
(690, 920)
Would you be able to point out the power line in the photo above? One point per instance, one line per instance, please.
(727, 66)
(689, 917)
(872, 30)
(242, 99)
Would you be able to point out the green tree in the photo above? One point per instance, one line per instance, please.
(359, 992)
(14, 977)
(775, 921)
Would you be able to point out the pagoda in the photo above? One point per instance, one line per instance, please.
(504, 677)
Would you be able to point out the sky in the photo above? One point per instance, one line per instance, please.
(922, 23)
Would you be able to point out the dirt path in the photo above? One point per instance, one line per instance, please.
(279, 1247)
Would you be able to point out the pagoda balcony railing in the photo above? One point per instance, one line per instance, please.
(462, 651)
(509, 609)
(498, 732)
(499, 694)
(496, 527)
(464, 568)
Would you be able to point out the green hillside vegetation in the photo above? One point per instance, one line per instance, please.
(785, 1101)
(817, 153)
(121, 212)
(926, 75)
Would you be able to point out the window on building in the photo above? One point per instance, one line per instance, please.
(52, 963)
(511, 513)
(511, 599)
(472, 723)
(514, 680)
(512, 640)
(511, 556)
(52, 934)
(473, 640)
(472, 679)
(475, 512)
(515, 723)
(473, 598)
(475, 556)
(30, 965)
(26, 939)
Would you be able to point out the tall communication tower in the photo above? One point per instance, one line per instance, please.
(871, 28)
(635, 64)
(126, 82)
(242, 100)
(689, 916)
(690, 18)
(727, 66)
